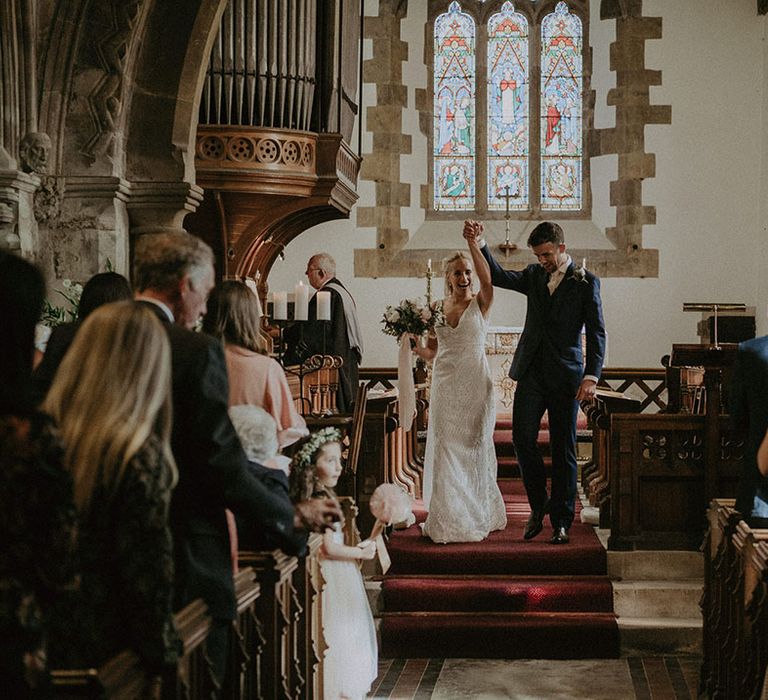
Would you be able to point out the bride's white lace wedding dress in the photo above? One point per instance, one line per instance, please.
(460, 489)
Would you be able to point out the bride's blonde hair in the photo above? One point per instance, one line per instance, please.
(111, 393)
(448, 264)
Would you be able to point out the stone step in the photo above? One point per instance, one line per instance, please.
(651, 636)
(649, 564)
(502, 635)
(653, 599)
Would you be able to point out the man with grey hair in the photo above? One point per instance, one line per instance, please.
(173, 274)
(341, 336)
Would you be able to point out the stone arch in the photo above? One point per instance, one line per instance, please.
(119, 84)
(161, 130)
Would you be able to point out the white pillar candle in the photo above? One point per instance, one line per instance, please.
(323, 306)
(301, 302)
(280, 306)
(429, 265)
(251, 284)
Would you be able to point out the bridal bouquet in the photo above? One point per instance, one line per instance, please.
(412, 316)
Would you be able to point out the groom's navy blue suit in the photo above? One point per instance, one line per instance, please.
(548, 367)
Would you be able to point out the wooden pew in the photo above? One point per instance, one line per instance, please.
(734, 606)
(245, 676)
(276, 646)
(597, 480)
(666, 467)
(388, 454)
(277, 609)
(662, 479)
(123, 678)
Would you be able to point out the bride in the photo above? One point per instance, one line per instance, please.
(460, 490)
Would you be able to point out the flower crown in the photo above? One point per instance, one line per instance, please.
(303, 457)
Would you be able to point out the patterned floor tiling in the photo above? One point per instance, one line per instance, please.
(638, 678)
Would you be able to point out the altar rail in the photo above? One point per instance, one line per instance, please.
(734, 606)
(646, 384)
(276, 643)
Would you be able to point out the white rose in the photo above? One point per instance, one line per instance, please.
(426, 314)
(66, 283)
(394, 317)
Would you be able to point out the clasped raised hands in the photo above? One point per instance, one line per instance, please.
(473, 231)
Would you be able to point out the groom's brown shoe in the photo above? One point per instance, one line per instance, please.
(535, 523)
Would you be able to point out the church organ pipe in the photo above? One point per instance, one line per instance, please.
(262, 66)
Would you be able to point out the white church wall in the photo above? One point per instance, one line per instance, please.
(709, 191)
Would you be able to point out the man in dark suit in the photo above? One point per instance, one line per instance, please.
(173, 272)
(749, 414)
(341, 336)
(549, 368)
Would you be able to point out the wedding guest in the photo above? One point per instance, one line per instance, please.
(350, 664)
(173, 275)
(102, 288)
(37, 516)
(233, 316)
(342, 337)
(111, 400)
(258, 435)
(748, 405)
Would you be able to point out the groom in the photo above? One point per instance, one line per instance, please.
(549, 368)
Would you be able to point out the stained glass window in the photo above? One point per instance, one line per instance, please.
(454, 110)
(561, 108)
(510, 160)
(508, 97)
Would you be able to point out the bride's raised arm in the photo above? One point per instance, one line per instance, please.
(473, 231)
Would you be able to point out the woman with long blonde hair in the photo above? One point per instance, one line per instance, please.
(460, 489)
(111, 400)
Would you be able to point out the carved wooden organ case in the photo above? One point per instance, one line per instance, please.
(277, 111)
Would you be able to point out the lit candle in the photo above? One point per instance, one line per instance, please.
(583, 263)
(323, 306)
(429, 266)
(280, 306)
(301, 299)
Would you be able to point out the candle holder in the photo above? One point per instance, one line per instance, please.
(506, 247)
(280, 349)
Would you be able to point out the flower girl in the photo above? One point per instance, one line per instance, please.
(350, 664)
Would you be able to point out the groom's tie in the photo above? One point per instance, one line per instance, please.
(553, 279)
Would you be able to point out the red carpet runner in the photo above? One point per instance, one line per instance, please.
(500, 598)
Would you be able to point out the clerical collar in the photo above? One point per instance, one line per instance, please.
(166, 310)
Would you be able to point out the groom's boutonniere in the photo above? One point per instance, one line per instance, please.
(580, 271)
